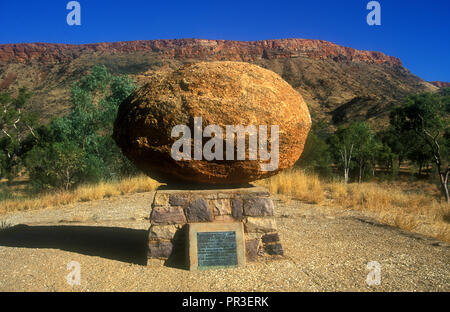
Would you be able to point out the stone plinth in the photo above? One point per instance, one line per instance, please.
(173, 209)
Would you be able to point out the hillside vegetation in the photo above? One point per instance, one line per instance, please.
(339, 84)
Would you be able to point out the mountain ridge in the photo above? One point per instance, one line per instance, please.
(441, 84)
(339, 84)
(188, 48)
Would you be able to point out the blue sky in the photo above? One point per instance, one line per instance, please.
(418, 32)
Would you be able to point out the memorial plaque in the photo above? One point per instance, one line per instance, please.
(215, 245)
(216, 249)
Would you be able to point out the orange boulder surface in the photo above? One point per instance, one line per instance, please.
(222, 94)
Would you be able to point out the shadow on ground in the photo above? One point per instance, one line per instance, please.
(121, 244)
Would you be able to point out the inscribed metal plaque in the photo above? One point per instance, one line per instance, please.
(216, 249)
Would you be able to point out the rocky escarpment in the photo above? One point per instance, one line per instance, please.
(198, 48)
(441, 84)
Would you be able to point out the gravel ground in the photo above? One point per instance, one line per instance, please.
(326, 250)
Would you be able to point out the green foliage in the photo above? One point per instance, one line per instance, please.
(316, 156)
(425, 119)
(57, 164)
(16, 122)
(398, 143)
(419, 129)
(354, 146)
(419, 112)
(342, 144)
(366, 147)
(384, 157)
(420, 153)
(78, 147)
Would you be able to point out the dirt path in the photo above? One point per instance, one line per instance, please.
(326, 250)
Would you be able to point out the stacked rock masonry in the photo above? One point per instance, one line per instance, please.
(173, 209)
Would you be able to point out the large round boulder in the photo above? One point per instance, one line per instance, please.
(221, 94)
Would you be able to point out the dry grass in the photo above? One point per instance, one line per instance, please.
(296, 185)
(81, 194)
(4, 225)
(412, 209)
(407, 206)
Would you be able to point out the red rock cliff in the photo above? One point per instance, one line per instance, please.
(441, 84)
(198, 48)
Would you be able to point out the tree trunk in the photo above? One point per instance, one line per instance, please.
(435, 147)
(444, 184)
(346, 158)
(360, 174)
(67, 180)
